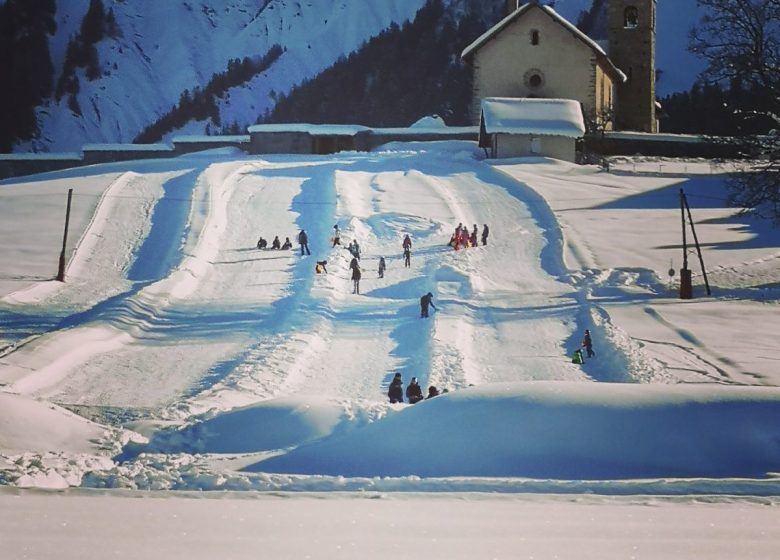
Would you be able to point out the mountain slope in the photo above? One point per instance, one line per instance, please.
(166, 48)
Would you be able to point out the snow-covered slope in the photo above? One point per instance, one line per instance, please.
(168, 47)
(220, 368)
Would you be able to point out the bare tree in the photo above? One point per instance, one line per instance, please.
(740, 42)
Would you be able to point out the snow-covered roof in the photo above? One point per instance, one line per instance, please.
(47, 156)
(426, 125)
(601, 55)
(417, 130)
(655, 137)
(206, 139)
(313, 129)
(127, 148)
(540, 117)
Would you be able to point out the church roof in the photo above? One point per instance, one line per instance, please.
(536, 116)
(601, 55)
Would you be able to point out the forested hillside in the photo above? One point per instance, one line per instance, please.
(405, 73)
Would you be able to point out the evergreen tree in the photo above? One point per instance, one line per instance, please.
(201, 104)
(25, 64)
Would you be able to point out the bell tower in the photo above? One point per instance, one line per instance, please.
(631, 35)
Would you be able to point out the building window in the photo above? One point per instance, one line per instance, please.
(534, 36)
(631, 18)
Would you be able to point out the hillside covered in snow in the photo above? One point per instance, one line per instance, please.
(243, 395)
(155, 54)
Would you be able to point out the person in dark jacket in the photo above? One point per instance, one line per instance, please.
(425, 302)
(287, 244)
(432, 392)
(303, 240)
(396, 391)
(587, 343)
(356, 274)
(414, 392)
(382, 267)
(485, 233)
(262, 243)
(473, 237)
(276, 244)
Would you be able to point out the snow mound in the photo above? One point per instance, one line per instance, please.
(432, 121)
(559, 430)
(266, 426)
(30, 425)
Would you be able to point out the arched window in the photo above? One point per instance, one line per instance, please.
(631, 17)
(534, 36)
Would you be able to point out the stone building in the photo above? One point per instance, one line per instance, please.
(536, 53)
(631, 35)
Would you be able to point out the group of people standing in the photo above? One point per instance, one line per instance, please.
(413, 391)
(275, 244)
(463, 238)
(356, 272)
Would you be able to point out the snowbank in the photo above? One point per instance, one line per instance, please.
(561, 430)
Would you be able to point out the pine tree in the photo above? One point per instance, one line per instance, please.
(25, 64)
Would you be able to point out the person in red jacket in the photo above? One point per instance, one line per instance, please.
(407, 246)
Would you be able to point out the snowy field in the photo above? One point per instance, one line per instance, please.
(183, 394)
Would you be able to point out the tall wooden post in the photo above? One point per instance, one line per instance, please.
(61, 272)
(686, 286)
(698, 247)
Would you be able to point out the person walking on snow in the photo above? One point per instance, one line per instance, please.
(425, 301)
(414, 392)
(336, 235)
(587, 343)
(396, 391)
(354, 249)
(485, 232)
(473, 238)
(382, 267)
(407, 246)
(356, 274)
(303, 240)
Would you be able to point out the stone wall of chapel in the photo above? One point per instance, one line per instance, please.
(506, 64)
